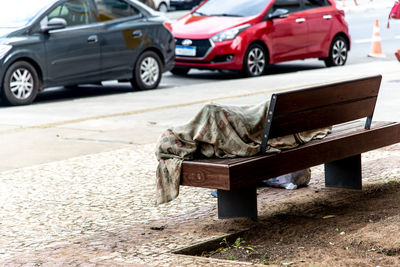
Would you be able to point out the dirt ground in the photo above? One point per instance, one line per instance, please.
(318, 226)
(342, 230)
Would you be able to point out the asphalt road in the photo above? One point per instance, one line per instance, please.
(361, 27)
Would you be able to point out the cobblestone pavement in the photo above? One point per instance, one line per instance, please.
(98, 210)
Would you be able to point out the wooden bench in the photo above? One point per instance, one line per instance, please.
(341, 105)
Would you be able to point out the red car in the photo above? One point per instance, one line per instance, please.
(248, 35)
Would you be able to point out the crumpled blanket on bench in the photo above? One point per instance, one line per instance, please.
(217, 131)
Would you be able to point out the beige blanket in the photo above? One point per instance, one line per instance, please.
(217, 131)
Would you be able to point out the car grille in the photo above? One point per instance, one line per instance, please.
(202, 46)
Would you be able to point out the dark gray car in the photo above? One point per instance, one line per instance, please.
(46, 43)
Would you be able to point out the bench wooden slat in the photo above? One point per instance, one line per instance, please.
(309, 98)
(213, 176)
(321, 117)
(312, 108)
(237, 173)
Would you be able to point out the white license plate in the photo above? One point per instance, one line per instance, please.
(185, 51)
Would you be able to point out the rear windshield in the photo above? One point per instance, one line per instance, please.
(236, 8)
(18, 13)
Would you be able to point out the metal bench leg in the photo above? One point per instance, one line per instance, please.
(344, 173)
(237, 203)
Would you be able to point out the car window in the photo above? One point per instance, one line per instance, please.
(75, 12)
(237, 8)
(12, 15)
(315, 3)
(115, 9)
(290, 5)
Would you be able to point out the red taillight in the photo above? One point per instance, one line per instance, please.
(168, 25)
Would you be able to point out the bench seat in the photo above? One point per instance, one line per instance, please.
(346, 140)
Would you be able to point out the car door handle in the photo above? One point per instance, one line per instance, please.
(137, 34)
(92, 39)
(327, 17)
(300, 20)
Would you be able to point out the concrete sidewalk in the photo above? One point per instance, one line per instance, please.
(98, 209)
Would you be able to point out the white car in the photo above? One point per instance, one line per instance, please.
(162, 5)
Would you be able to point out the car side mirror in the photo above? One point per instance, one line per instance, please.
(55, 24)
(279, 13)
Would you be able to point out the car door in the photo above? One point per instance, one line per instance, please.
(319, 22)
(289, 32)
(122, 35)
(72, 53)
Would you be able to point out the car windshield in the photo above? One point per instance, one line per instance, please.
(237, 8)
(18, 13)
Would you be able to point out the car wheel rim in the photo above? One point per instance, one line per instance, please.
(149, 71)
(256, 61)
(163, 8)
(339, 52)
(21, 83)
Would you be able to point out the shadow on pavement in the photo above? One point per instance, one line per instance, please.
(82, 91)
(57, 94)
(281, 68)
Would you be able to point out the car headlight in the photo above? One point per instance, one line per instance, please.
(4, 49)
(229, 34)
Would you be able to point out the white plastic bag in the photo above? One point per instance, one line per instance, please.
(291, 180)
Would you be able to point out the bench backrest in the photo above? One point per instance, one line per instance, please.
(321, 106)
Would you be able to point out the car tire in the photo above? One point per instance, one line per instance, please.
(21, 84)
(163, 8)
(180, 71)
(338, 52)
(255, 61)
(147, 72)
(72, 87)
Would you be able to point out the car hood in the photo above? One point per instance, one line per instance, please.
(200, 27)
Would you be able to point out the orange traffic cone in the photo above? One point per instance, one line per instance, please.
(397, 54)
(376, 48)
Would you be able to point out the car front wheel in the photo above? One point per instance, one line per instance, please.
(163, 8)
(21, 84)
(255, 61)
(147, 72)
(337, 53)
